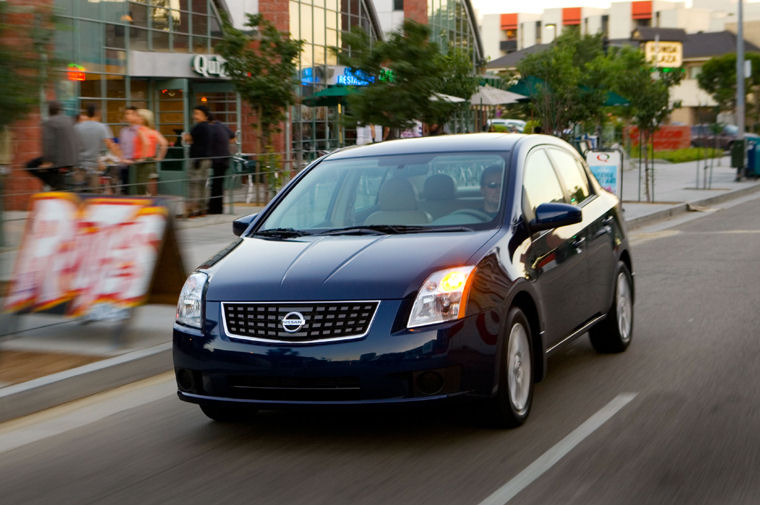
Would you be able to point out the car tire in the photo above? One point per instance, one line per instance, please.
(615, 332)
(514, 396)
(224, 413)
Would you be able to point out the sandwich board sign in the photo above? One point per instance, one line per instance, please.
(607, 168)
(95, 257)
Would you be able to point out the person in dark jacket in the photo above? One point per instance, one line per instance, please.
(220, 162)
(199, 139)
(59, 148)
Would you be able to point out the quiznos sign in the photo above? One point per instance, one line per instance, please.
(210, 66)
(95, 256)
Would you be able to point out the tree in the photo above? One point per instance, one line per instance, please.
(24, 61)
(648, 91)
(261, 63)
(457, 79)
(403, 73)
(718, 78)
(569, 85)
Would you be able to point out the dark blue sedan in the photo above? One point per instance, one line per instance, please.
(407, 271)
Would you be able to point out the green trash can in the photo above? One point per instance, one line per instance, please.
(737, 154)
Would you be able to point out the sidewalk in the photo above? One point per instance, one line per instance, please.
(64, 362)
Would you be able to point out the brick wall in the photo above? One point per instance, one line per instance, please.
(278, 12)
(26, 134)
(416, 10)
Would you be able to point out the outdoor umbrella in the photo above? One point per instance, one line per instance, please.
(488, 95)
(528, 86)
(443, 97)
(329, 97)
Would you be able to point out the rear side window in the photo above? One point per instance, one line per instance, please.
(540, 183)
(572, 174)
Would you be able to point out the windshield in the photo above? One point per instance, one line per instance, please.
(394, 194)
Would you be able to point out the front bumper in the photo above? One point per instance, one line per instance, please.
(439, 361)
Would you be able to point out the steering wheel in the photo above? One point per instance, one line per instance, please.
(478, 214)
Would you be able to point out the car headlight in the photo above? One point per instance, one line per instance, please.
(442, 297)
(190, 304)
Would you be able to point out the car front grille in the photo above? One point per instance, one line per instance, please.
(305, 322)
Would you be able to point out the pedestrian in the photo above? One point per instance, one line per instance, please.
(94, 139)
(221, 136)
(199, 139)
(150, 147)
(59, 149)
(127, 140)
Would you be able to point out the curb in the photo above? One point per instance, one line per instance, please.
(43, 393)
(682, 208)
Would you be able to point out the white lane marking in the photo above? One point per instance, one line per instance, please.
(548, 459)
(51, 422)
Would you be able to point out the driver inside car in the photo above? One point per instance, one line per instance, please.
(490, 188)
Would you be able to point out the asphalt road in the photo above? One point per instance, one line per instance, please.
(685, 428)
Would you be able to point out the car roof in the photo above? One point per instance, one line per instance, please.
(444, 143)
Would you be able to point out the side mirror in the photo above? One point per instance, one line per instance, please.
(240, 224)
(554, 215)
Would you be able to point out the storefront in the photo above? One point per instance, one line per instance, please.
(153, 54)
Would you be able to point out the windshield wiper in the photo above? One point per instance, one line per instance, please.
(372, 229)
(281, 233)
(387, 229)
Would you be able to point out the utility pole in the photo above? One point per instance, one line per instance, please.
(740, 87)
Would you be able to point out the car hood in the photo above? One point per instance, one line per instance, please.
(337, 267)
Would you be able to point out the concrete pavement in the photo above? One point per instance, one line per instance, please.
(143, 348)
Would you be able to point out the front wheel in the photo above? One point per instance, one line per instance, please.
(514, 395)
(614, 333)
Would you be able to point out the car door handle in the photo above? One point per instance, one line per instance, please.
(578, 242)
(607, 220)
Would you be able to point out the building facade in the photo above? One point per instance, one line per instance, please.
(509, 32)
(159, 55)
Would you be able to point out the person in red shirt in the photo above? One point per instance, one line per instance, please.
(150, 147)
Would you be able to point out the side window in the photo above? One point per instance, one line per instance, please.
(572, 175)
(540, 183)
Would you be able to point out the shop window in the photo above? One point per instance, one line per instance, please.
(182, 25)
(64, 39)
(160, 41)
(115, 87)
(138, 91)
(113, 114)
(64, 7)
(199, 6)
(115, 36)
(181, 43)
(200, 44)
(200, 25)
(116, 61)
(138, 15)
(91, 40)
(214, 29)
(91, 86)
(138, 39)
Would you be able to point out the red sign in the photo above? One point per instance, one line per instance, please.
(667, 138)
(75, 72)
(95, 255)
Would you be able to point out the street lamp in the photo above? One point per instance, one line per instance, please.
(740, 87)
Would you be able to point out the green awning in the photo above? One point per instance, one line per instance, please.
(329, 97)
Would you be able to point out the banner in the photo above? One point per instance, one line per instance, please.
(607, 168)
(667, 138)
(95, 257)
